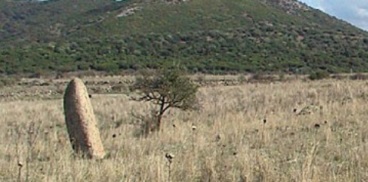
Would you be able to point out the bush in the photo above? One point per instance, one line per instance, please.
(319, 75)
(242, 79)
(8, 81)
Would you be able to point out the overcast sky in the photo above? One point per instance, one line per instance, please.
(352, 11)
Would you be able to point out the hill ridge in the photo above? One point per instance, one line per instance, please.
(215, 36)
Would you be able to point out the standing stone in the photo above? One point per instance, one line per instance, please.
(81, 121)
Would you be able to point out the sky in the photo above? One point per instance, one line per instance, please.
(352, 11)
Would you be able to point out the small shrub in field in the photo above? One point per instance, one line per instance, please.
(166, 88)
(319, 75)
(261, 78)
(340, 77)
(282, 77)
(147, 123)
(7, 81)
(242, 78)
(201, 79)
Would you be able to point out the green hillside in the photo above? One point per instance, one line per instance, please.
(211, 36)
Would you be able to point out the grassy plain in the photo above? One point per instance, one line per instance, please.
(282, 131)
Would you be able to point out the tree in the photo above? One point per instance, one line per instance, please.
(166, 88)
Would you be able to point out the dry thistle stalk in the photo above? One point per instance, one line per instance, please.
(20, 165)
(169, 158)
(194, 127)
(81, 121)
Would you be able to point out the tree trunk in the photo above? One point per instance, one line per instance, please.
(158, 124)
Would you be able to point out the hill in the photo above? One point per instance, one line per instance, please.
(216, 36)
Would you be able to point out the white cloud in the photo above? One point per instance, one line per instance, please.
(352, 11)
(362, 12)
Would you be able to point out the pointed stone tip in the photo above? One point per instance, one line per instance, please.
(75, 84)
(76, 80)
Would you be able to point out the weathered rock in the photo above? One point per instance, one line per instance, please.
(81, 121)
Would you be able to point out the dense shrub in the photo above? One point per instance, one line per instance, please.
(319, 75)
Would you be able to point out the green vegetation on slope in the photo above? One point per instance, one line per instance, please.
(214, 36)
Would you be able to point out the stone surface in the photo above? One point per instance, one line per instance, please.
(81, 122)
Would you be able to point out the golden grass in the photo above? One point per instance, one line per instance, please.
(246, 132)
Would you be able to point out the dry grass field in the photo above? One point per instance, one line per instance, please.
(283, 131)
